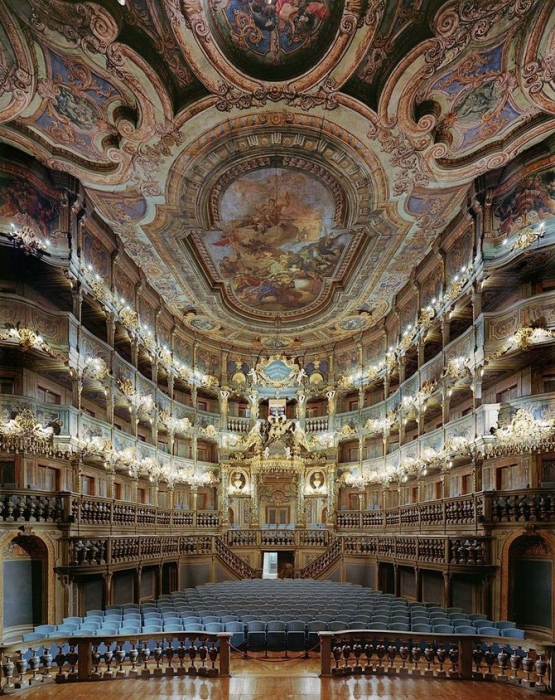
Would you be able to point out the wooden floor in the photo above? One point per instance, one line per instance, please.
(273, 680)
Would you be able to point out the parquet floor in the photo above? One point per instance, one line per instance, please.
(273, 680)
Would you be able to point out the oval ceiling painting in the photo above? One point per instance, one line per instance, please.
(275, 39)
(276, 245)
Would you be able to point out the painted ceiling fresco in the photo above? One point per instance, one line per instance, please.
(274, 162)
(276, 245)
(274, 39)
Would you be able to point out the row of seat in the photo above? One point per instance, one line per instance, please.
(211, 607)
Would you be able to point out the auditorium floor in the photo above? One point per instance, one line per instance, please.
(274, 680)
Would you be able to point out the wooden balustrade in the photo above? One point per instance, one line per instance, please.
(456, 512)
(277, 538)
(469, 551)
(96, 511)
(537, 505)
(22, 506)
(458, 551)
(525, 663)
(432, 655)
(324, 561)
(71, 659)
(232, 561)
(115, 550)
(527, 506)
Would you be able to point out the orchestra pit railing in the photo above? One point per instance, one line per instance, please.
(344, 653)
(141, 656)
(527, 663)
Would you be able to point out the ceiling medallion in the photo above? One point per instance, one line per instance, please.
(352, 323)
(276, 343)
(277, 246)
(274, 39)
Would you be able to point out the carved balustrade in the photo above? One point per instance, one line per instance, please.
(524, 506)
(349, 520)
(92, 511)
(456, 512)
(22, 506)
(277, 538)
(207, 519)
(524, 663)
(140, 656)
(438, 550)
(406, 548)
(312, 538)
(374, 518)
(84, 552)
(146, 515)
(460, 551)
(460, 657)
(183, 518)
(232, 561)
(386, 547)
(324, 561)
(431, 549)
(469, 551)
(125, 549)
(123, 514)
(431, 514)
(196, 544)
(530, 505)
(242, 538)
(317, 425)
(239, 425)
(97, 511)
(392, 518)
(409, 516)
(88, 552)
(360, 545)
(460, 512)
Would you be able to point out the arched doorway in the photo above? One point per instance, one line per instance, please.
(25, 584)
(530, 592)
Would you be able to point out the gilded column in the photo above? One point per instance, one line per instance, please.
(301, 515)
(331, 396)
(331, 494)
(254, 519)
(223, 497)
(225, 357)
